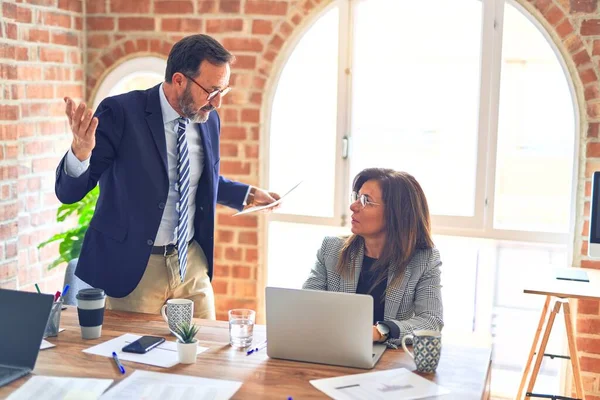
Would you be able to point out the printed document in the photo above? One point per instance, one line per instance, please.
(158, 386)
(53, 388)
(382, 385)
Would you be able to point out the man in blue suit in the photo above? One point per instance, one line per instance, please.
(155, 154)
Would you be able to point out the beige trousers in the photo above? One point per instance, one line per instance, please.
(161, 282)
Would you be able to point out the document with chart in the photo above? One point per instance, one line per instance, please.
(382, 385)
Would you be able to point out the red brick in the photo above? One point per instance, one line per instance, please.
(8, 230)
(593, 129)
(129, 6)
(65, 38)
(98, 41)
(251, 151)
(593, 150)
(590, 27)
(256, 98)
(588, 325)
(250, 115)
(8, 71)
(583, 6)
(589, 307)
(582, 58)
(24, 15)
(592, 92)
(234, 254)
(39, 91)
(230, 6)
(51, 54)
(224, 236)
(553, 15)
(229, 149)
(241, 272)
(173, 7)
(9, 10)
(220, 287)
(12, 31)
(593, 110)
(9, 211)
(247, 221)
(564, 29)
(587, 76)
(54, 73)
(181, 24)
(233, 133)
(242, 44)
(590, 364)
(262, 27)
(38, 35)
(136, 24)
(224, 25)
(71, 5)
(248, 238)
(207, 6)
(8, 270)
(95, 7)
(244, 289)
(100, 24)
(266, 7)
(573, 43)
(56, 19)
(9, 112)
(235, 168)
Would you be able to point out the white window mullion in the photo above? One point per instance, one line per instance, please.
(491, 53)
(342, 188)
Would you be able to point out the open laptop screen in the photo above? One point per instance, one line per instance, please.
(23, 318)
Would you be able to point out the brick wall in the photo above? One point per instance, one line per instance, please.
(254, 30)
(40, 61)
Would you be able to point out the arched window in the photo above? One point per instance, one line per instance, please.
(133, 74)
(478, 107)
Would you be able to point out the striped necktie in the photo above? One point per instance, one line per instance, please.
(183, 183)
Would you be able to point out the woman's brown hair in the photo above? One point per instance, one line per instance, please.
(407, 224)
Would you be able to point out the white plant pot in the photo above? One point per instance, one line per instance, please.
(187, 352)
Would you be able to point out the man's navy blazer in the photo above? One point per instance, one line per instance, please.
(130, 164)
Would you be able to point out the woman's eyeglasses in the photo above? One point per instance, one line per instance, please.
(364, 200)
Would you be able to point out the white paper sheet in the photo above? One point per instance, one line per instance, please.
(273, 204)
(158, 386)
(53, 388)
(382, 385)
(46, 345)
(165, 355)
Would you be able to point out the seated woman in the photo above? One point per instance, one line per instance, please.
(390, 255)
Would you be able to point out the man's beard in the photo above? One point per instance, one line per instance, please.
(186, 104)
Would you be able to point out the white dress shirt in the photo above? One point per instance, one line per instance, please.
(168, 225)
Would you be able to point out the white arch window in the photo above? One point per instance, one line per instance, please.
(134, 74)
(478, 107)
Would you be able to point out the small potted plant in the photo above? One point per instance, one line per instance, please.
(187, 344)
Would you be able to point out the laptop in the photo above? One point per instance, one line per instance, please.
(23, 318)
(321, 327)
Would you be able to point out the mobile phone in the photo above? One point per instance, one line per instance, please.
(143, 344)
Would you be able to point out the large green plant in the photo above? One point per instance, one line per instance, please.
(72, 239)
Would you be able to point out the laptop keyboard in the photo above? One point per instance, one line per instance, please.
(8, 374)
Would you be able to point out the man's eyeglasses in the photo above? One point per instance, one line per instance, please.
(214, 93)
(364, 200)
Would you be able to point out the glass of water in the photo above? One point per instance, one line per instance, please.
(241, 327)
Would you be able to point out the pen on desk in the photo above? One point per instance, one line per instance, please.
(257, 348)
(118, 362)
(64, 292)
(37, 288)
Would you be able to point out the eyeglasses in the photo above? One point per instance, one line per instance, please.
(214, 93)
(364, 200)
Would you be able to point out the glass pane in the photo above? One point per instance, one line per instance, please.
(136, 81)
(415, 101)
(303, 122)
(536, 133)
(285, 239)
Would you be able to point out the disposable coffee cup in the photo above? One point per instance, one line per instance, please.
(90, 308)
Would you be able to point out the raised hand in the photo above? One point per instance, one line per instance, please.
(83, 126)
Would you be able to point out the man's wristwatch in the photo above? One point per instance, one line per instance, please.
(384, 331)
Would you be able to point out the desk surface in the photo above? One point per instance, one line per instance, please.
(463, 369)
(548, 285)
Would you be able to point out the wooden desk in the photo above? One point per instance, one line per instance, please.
(547, 285)
(465, 370)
